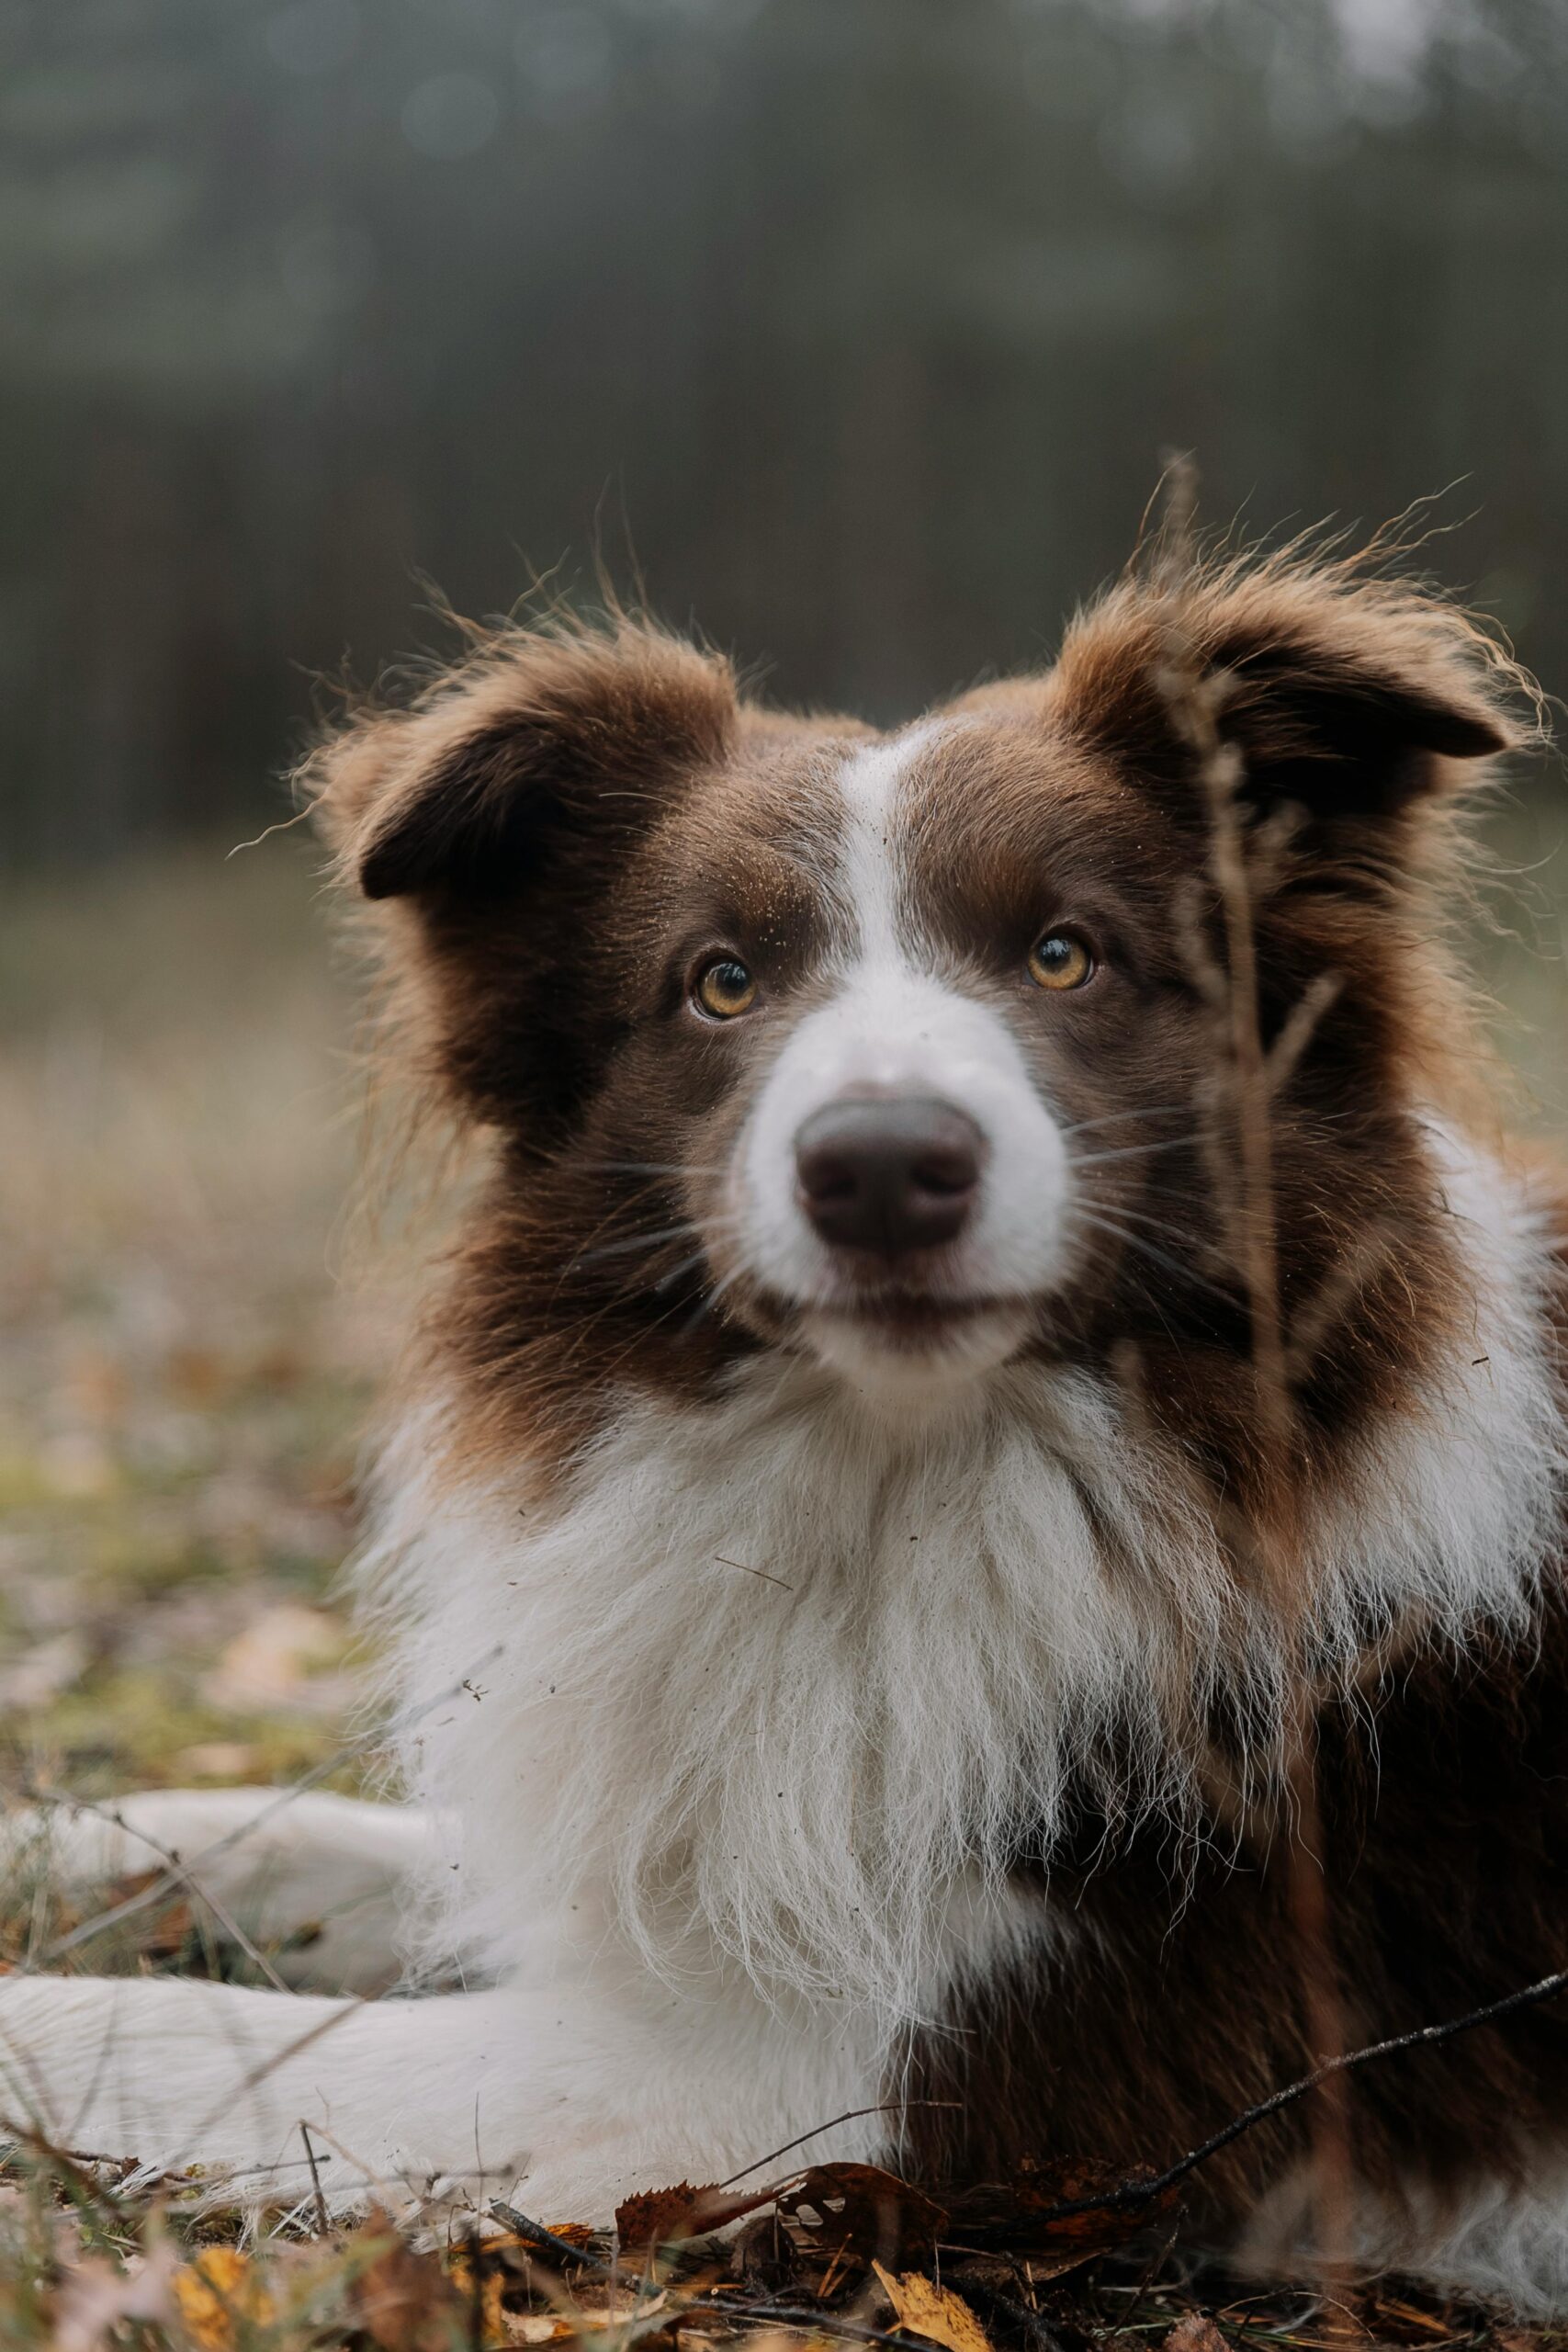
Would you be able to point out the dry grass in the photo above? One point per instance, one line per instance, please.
(182, 1371)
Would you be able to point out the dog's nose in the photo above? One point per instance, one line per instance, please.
(888, 1174)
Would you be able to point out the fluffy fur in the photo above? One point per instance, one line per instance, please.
(867, 1667)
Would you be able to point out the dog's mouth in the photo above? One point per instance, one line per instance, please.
(906, 1319)
(886, 1339)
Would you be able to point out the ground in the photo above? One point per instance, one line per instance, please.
(185, 1362)
(192, 1323)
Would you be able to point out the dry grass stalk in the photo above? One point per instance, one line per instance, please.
(1236, 1123)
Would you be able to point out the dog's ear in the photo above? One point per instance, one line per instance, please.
(1350, 697)
(497, 817)
(540, 744)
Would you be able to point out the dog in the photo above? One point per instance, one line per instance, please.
(896, 1465)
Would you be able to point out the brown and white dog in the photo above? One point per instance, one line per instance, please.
(838, 1465)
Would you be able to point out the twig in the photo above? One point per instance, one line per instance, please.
(1244, 860)
(167, 1878)
(1133, 2193)
(535, 2233)
(1037, 2335)
(852, 2115)
(324, 2222)
(782, 2315)
(184, 1875)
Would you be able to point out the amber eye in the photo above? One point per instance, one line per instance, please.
(723, 989)
(1060, 961)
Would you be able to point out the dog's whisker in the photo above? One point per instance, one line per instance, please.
(1186, 1235)
(667, 1282)
(631, 1241)
(707, 1304)
(1129, 1151)
(1176, 1266)
(652, 1167)
(1114, 1118)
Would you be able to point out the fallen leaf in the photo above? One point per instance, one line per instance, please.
(272, 1662)
(1196, 2333)
(660, 2216)
(97, 2295)
(217, 2291)
(489, 2291)
(664, 2216)
(1020, 2215)
(862, 2214)
(403, 2299)
(933, 2311)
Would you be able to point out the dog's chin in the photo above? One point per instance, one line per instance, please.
(912, 1351)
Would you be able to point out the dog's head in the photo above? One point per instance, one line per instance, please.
(900, 1050)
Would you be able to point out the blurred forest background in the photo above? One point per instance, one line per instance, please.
(852, 329)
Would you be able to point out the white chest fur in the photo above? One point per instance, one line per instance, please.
(776, 1677)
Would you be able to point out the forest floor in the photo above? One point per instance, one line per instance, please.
(188, 1357)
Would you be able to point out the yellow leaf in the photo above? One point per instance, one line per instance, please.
(491, 2284)
(933, 2311)
(217, 2288)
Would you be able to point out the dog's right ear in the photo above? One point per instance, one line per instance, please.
(501, 811)
(541, 742)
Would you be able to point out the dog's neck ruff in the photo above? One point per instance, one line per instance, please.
(771, 1678)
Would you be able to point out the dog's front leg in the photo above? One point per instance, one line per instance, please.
(319, 1880)
(564, 2096)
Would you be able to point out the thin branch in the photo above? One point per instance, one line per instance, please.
(184, 1873)
(852, 2115)
(324, 2222)
(1297, 1029)
(1133, 2193)
(168, 1880)
(545, 2241)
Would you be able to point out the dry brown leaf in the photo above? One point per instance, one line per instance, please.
(660, 2216)
(936, 2312)
(1196, 2333)
(403, 2299)
(1019, 2215)
(217, 2291)
(862, 2214)
(664, 2216)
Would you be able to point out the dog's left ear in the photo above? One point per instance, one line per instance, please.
(1350, 697)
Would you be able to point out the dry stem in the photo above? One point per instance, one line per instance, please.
(1239, 1136)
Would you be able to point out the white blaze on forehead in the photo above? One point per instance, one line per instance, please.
(868, 785)
(896, 1023)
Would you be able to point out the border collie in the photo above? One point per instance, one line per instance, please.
(850, 1569)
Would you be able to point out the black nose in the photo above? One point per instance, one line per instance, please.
(888, 1174)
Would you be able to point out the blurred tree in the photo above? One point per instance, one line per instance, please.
(868, 316)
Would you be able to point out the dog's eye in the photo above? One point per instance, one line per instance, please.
(723, 989)
(1060, 961)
